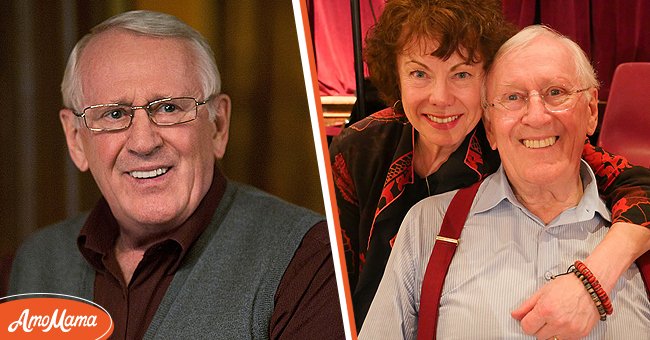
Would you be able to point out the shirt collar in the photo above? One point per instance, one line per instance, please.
(497, 189)
(99, 232)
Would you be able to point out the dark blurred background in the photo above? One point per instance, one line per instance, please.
(271, 144)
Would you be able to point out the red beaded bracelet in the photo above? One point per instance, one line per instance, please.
(598, 289)
(601, 310)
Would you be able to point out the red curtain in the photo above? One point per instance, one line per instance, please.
(610, 31)
(520, 12)
(332, 37)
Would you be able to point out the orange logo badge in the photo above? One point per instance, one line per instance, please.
(52, 316)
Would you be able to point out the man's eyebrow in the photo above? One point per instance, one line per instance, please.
(110, 101)
(125, 101)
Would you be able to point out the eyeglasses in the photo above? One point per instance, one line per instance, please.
(555, 99)
(162, 112)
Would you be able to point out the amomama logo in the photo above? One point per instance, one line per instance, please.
(52, 316)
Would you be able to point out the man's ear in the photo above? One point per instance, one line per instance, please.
(221, 105)
(592, 121)
(71, 128)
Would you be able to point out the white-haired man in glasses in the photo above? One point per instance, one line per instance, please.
(174, 250)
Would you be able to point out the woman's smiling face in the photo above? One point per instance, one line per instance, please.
(441, 98)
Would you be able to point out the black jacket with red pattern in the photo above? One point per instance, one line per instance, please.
(376, 186)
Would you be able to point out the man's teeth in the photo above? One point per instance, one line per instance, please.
(539, 143)
(148, 174)
(442, 120)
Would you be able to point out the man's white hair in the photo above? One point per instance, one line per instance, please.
(147, 23)
(585, 73)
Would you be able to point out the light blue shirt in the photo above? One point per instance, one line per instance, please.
(505, 254)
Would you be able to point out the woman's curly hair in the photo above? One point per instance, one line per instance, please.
(475, 29)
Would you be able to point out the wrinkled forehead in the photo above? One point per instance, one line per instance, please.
(540, 63)
(428, 46)
(118, 61)
(105, 46)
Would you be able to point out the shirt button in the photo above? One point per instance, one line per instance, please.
(548, 276)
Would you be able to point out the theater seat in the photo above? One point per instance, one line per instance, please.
(625, 129)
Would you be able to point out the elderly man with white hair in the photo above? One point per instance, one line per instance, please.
(173, 249)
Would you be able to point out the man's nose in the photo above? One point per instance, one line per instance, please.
(536, 112)
(144, 137)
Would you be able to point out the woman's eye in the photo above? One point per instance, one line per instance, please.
(418, 74)
(463, 75)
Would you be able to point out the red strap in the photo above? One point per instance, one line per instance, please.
(443, 252)
(643, 262)
(440, 259)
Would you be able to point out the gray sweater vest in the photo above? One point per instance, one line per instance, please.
(224, 288)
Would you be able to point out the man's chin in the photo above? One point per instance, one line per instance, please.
(150, 214)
